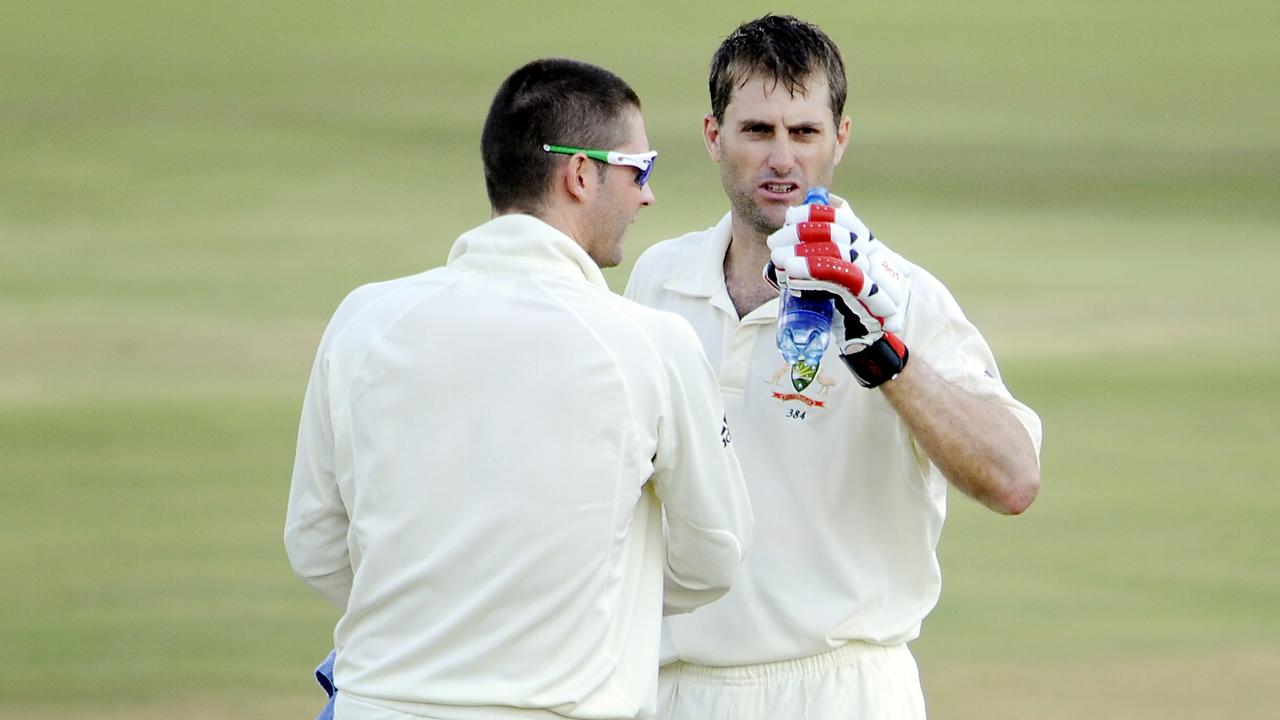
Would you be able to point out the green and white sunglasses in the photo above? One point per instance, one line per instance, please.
(642, 162)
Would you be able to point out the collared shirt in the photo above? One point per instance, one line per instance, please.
(849, 508)
(486, 457)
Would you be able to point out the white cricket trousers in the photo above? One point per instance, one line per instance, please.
(349, 707)
(856, 681)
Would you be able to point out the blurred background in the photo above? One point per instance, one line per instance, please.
(187, 190)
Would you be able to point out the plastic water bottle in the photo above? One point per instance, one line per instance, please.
(804, 323)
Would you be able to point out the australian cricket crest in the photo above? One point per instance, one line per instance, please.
(807, 387)
(802, 375)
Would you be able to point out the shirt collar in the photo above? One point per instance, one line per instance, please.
(704, 277)
(521, 243)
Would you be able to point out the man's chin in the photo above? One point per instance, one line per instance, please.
(612, 257)
(761, 219)
(767, 225)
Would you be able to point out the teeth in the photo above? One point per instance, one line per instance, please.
(778, 188)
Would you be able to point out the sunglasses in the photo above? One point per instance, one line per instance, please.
(642, 162)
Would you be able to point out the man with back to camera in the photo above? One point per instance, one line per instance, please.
(507, 474)
(848, 469)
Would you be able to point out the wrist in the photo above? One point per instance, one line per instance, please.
(879, 362)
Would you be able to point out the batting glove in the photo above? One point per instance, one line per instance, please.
(820, 257)
(885, 265)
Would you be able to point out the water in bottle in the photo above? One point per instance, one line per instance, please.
(804, 323)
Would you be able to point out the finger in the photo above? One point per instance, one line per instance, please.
(822, 213)
(818, 249)
(878, 303)
(816, 212)
(808, 232)
(814, 232)
(825, 232)
(801, 213)
(834, 270)
(782, 256)
(783, 237)
(841, 216)
(857, 289)
(845, 218)
(882, 265)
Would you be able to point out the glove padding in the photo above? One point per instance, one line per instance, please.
(884, 264)
(820, 258)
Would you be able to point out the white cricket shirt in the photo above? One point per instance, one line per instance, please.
(487, 455)
(848, 507)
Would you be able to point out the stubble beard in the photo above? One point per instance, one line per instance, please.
(613, 237)
(745, 208)
(607, 251)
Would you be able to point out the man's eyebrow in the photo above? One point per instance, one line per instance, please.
(799, 125)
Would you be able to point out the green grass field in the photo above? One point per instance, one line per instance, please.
(188, 189)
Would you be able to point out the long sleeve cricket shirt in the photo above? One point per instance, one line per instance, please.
(505, 475)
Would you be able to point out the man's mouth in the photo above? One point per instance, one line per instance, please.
(779, 189)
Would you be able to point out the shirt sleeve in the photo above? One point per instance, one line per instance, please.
(956, 350)
(707, 513)
(316, 522)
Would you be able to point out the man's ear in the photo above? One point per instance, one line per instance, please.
(711, 136)
(842, 137)
(574, 176)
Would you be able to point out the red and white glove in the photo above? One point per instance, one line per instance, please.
(885, 265)
(823, 258)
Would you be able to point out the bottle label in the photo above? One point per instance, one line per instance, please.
(804, 323)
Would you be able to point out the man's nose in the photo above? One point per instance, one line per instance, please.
(782, 155)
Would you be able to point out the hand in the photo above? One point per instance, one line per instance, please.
(819, 257)
(885, 265)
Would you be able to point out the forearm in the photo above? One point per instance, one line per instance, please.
(979, 446)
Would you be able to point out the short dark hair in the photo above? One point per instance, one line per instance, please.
(781, 47)
(553, 101)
